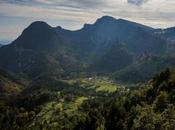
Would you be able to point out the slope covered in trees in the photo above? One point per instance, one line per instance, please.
(9, 85)
(149, 107)
(144, 69)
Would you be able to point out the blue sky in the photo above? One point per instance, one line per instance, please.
(15, 15)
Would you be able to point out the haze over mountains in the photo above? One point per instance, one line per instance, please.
(110, 46)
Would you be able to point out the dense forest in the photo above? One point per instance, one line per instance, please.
(149, 106)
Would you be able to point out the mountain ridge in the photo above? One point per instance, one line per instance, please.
(108, 45)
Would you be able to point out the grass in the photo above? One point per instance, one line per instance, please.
(96, 84)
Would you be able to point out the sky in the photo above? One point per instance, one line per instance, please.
(16, 15)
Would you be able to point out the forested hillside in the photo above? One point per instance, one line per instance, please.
(50, 105)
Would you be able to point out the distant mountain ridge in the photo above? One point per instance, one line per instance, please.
(168, 33)
(5, 42)
(106, 46)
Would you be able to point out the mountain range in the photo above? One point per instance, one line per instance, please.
(125, 50)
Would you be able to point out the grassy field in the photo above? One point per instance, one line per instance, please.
(96, 84)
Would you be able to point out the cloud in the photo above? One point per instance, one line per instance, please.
(15, 15)
(137, 2)
(56, 3)
(75, 3)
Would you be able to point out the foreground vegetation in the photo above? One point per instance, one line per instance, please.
(90, 104)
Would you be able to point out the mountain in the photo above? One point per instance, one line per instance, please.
(1, 45)
(106, 46)
(144, 69)
(36, 51)
(115, 58)
(135, 37)
(169, 35)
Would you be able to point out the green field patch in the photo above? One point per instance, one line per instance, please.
(96, 84)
